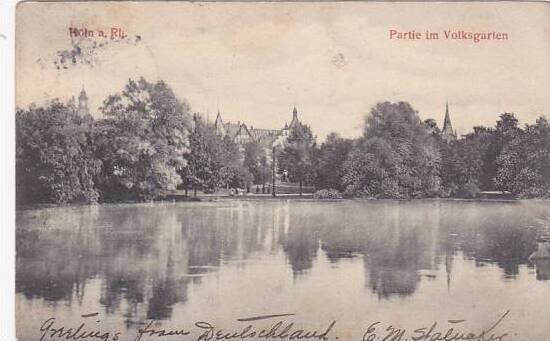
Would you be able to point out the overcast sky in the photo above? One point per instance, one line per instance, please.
(334, 61)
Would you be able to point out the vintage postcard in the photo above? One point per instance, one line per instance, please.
(369, 171)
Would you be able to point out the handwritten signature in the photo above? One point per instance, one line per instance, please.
(433, 333)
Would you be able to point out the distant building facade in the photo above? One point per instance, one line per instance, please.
(241, 134)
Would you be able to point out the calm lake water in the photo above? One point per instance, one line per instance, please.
(405, 264)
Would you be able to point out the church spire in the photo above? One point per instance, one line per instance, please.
(447, 133)
(447, 123)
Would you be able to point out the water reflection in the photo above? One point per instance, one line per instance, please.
(146, 257)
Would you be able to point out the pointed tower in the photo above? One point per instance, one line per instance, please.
(295, 120)
(218, 124)
(447, 133)
(83, 103)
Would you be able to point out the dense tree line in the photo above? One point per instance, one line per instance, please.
(147, 144)
(55, 159)
(399, 156)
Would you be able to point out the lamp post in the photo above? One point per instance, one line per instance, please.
(273, 158)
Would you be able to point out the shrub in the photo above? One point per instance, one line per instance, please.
(327, 194)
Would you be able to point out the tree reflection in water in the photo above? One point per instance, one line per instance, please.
(146, 256)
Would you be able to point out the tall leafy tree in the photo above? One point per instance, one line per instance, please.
(214, 161)
(369, 170)
(233, 173)
(202, 171)
(329, 162)
(143, 141)
(505, 131)
(297, 156)
(397, 156)
(255, 160)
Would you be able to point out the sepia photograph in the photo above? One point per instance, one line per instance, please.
(370, 171)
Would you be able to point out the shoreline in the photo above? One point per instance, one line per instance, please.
(306, 197)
